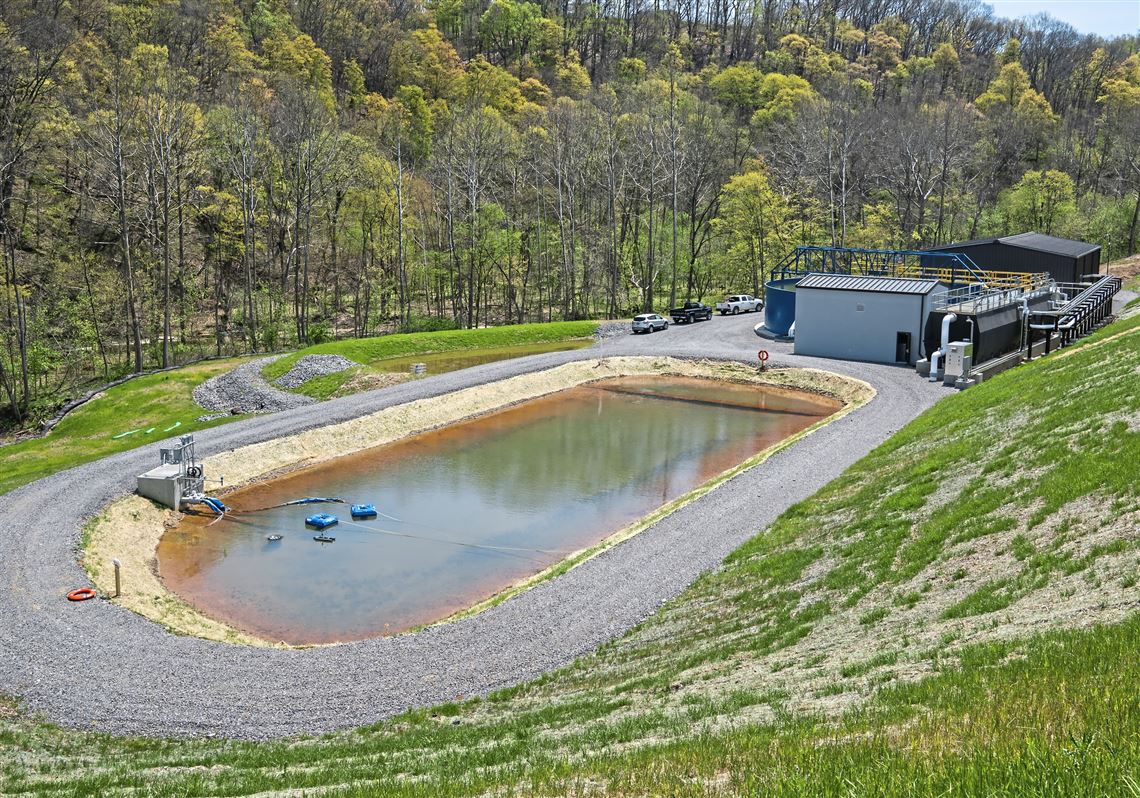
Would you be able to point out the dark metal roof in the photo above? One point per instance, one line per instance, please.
(1038, 242)
(1043, 243)
(973, 242)
(856, 282)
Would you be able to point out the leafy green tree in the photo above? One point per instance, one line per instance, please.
(1120, 116)
(754, 220)
(426, 59)
(948, 65)
(1041, 201)
(510, 29)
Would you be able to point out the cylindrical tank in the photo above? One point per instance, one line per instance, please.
(780, 304)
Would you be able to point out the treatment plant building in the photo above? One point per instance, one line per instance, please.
(856, 317)
(1063, 259)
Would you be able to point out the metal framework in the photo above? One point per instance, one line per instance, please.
(952, 268)
(1085, 308)
(191, 484)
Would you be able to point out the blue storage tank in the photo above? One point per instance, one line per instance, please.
(780, 304)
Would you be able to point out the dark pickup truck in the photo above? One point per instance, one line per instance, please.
(691, 311)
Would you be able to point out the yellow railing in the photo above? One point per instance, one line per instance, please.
(992, 278)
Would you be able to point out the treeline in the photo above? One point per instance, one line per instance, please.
(181, 178)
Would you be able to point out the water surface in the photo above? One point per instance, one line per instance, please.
(480, 505)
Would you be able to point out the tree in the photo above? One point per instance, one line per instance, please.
(511, 29)
(1120, 116)
(753, 219)
(27, 83)
(1041, 200)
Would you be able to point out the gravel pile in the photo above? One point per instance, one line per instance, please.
(611, 329)
(244, 390)
(137, 678)
(310, 366)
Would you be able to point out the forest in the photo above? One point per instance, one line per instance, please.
(190, 178)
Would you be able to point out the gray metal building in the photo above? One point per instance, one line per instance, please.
(1065, 260)
(874, 319)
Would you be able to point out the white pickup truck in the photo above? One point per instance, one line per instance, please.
(739, 303)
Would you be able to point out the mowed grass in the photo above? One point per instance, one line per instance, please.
(1056, 715)
(390, 370)
(87, 433)
(369, 351)
(956, 615)
(160, 400)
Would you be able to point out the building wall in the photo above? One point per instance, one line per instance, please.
(1001, 257)
(830, 324)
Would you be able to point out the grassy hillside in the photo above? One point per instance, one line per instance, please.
(955, 615)
(87, 433)
(158, 401)
(372, 352)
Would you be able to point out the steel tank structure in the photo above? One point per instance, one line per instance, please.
(780, 304)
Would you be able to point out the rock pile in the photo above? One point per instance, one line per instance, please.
(310, 366)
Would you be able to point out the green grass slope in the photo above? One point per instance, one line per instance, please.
(956, 615)
(377, 354)
(87, 433)
(368, 351)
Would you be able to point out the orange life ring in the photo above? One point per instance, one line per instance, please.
(81, 594)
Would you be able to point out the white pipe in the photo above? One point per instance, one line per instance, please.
(792, 330)
(947, 320)
(934, 365)
(1024, 323)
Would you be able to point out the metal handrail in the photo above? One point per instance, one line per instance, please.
(954, 268)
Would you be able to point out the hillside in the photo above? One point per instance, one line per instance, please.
(956, 614)
(225, 177)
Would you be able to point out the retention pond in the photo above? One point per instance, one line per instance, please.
(469, 509)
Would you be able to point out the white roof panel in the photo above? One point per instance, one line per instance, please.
(859, 282)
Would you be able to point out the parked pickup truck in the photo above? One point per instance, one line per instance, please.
(739, 303)
(691, 311)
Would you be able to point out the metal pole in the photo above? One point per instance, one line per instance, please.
(118, 582)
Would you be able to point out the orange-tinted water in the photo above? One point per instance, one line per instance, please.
(480, 505)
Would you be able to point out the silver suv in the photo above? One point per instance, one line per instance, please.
(649, 322)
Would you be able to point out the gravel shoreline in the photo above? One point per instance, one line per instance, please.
(136, 678)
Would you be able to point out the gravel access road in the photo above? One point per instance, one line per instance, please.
(94, 665)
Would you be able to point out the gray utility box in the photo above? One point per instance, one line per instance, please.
(959, 361)
(179, 476)
(162, 485)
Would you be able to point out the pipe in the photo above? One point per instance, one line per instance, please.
(792, 330)
(947, 320)
(934, 365)
(1024, 302)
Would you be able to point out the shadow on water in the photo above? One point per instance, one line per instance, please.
(469, 509)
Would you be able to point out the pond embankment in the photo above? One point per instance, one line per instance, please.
(130, 529)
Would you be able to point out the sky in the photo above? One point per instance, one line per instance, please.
(1104, 17)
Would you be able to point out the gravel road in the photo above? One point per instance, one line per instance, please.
(94, 665)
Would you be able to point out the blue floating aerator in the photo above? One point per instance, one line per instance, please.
(364, 511)
(321, 520)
